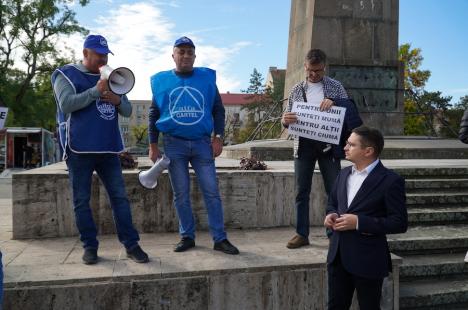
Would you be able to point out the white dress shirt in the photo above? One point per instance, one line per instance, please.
(356, 178)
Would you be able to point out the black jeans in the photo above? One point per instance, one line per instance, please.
(309, 153)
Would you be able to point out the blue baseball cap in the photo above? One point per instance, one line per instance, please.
(184, 41)
(97, 43)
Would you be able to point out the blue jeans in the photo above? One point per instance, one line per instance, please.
(1, 282)
(107, 166)
(308, 154)
(200, 155)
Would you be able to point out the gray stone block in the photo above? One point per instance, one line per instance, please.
(332, 42)
(251, 199)
(276, 290)
(168, 294)
(91, 296)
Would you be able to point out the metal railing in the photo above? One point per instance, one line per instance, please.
(270, 119)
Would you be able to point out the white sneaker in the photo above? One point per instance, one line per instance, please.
(466, 257)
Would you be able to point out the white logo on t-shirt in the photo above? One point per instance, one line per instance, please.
(106, 110)
(186, 105)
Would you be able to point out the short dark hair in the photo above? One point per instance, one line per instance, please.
(316, 56)
(370, 137)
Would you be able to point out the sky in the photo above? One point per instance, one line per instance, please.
(234, 37)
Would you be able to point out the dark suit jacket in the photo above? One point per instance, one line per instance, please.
(351, 121)
(380, 205)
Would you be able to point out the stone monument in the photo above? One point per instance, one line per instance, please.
(360, 39)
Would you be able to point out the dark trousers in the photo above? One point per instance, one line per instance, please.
(308, 154)
(341, 286)
(107, 166)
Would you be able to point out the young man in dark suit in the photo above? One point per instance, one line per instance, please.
(366, 203)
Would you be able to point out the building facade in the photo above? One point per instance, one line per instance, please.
(139, 117)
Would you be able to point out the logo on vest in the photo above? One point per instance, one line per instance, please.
(186, 105)
(106, 110)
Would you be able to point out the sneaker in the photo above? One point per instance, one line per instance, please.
(90, 256)
(184, 244)
(138, 255)
(466, 257)
(297, 241)
(226, 247)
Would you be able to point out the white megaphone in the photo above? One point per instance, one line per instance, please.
(120, 80)
(149, 178)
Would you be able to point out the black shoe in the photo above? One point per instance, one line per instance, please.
(184, 244)
(138, 255)
(226, 247)
(90, 256)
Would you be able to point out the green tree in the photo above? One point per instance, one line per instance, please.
(414, 81)
(28, 54)
(255, 95)
(273, 127)
(140, 132)
(242, 135)
(264, 109)
(414, 78)
(453, 118)
(462, 104)
(435, 107)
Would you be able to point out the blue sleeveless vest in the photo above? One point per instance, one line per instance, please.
(185, 103)
(93, 129)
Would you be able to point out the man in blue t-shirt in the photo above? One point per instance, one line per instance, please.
(187, 109)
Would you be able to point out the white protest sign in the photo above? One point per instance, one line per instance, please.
(318, 125)
(3, 115)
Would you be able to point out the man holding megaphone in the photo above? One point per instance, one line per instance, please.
(187, 109)
(87, 116)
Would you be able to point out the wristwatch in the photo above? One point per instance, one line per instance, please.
(219, 136)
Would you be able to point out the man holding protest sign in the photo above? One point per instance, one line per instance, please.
(321, 117)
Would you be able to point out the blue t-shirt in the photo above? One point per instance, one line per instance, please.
(185, 103)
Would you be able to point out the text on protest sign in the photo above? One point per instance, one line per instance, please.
(318, 125)
(3, 115)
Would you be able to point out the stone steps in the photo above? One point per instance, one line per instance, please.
(433, 274)
(433, 199)
(437, 215)
(432, 173)
(426, 266)
(430, 239)
(428, 294)
(436, 185)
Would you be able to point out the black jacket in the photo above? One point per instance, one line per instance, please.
(380, 205)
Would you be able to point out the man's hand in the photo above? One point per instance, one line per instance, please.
(102, 86)
(346, 222)
(110, 97)
(326, 104)
(154, 152)
(289, 118)
(106, 94)
(217, 145)
(330, 220)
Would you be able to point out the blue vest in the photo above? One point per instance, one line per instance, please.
(93, 129)
(185, 103)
